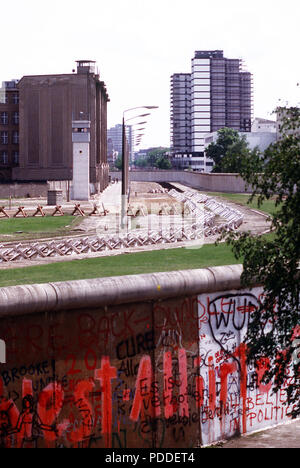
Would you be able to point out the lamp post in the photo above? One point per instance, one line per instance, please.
(125, 159)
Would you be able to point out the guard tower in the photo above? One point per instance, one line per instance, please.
(81, 159)
(86, 66)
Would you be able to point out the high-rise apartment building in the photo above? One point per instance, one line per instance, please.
(114, 141)
(181, 112)
(216, 94)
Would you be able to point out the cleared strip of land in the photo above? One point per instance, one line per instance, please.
(130, 263)
(123, 264)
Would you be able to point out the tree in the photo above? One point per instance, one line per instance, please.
(141, 162)
(231, 152)
(216, 151)
(118, 163)
(273, 261)
(239, 157)
(155, 155)
(163, 163)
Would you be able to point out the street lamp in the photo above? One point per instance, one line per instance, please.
(125, 158)
(142, 115)
(125, 161)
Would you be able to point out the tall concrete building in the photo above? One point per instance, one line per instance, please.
(219, 95)
(114, 140)
(47, 106)
(181, 139)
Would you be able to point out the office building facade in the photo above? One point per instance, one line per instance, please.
(220, 95)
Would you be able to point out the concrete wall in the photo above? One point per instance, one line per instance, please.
(198, 180)
(206, 182)
(36, 189)
(19, 190)
(139, 361)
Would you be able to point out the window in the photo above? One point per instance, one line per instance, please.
(3, 97)
(201, 81)
(15, 138)
(4, 157)
(4, 118)
(16, 118)
(4, 138)
(16, 98)
(16, 157)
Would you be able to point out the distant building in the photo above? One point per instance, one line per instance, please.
(9, 129)
(112, 155)
(114, 141)
(264, 125)
(47, 106)
(216, 94)
(181, 137)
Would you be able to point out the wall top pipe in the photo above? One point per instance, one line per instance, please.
(94, 293)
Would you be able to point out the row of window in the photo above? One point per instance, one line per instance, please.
(4, 157)
(5, 118)
(6, 138)
(8, 98)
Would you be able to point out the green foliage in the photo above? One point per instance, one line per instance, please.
(217, 151)
(119, 163)
(231, 153)
(163, 163)
(155, 158)
(239, 158)
(274, 330)
(141, 162)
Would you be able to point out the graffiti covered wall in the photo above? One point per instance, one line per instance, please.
(237, 398)
(168, 372)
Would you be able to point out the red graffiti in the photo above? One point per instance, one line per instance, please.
(167, 395)
(105, 375)
(49, 406)
(262, 366)
(183, 403)
(200, 384)
(212, 384)
(81, 401)
(145, 391)
(241, 353)
(225, 369)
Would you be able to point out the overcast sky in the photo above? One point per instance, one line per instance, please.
(139, 44)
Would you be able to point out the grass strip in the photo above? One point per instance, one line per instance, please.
(123, 264)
